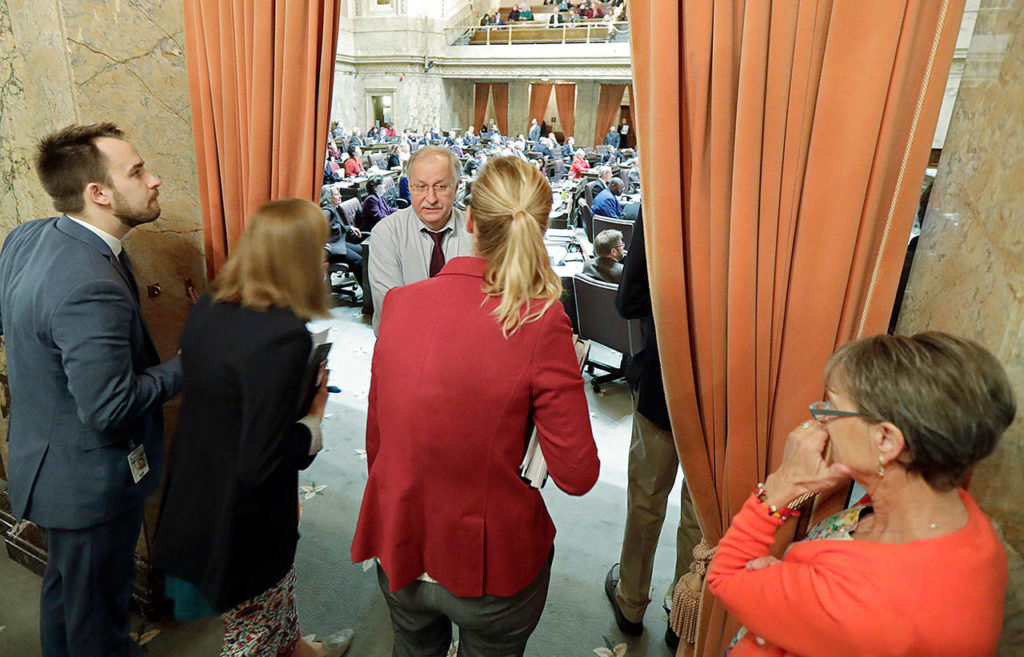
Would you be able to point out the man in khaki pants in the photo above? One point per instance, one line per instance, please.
(653, 463)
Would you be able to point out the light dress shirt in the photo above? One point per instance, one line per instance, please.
(400, 248)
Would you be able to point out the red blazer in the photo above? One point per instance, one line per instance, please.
(353, 167)
(450, 399)
(577, 168)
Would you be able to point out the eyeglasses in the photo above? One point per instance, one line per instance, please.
(439, 188)
(822, 410)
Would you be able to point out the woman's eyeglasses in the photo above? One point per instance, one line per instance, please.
(822, 410)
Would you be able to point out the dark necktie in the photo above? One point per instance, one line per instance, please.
(127, 264)
(437, 255)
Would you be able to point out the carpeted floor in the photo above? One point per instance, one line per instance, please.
(334, 593)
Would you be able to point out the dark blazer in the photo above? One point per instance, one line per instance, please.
(633, 301)
(606, 205)
(603, 268)
(444, 446)
(84, 375)
(229, 518)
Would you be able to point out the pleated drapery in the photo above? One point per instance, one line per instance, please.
(608, 104)
(500, 91)
(565, 100)
(540, 94)
(790, 139)
(259, 117)
(482, 95)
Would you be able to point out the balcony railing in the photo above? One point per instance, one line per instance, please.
(592, 31)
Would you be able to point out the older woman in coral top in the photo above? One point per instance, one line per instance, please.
(916, 568)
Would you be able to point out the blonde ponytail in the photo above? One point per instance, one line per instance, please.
(512, 240)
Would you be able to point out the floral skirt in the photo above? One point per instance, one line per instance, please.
(265, 626)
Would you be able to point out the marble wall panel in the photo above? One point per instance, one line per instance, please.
(65, 61)
(968, 273)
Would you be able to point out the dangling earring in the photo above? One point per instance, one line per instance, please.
(880, 470)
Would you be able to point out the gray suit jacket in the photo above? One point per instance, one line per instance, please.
(84, 375)
(603, 269)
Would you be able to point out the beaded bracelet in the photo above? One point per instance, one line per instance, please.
(783, 513)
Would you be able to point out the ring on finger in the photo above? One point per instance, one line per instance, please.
(805, 425)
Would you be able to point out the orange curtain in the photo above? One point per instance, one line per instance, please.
(500, 91)
(607, 108)
(540, 94)
(483, 93)
(565, 99)
(791, 140)
(259, 117)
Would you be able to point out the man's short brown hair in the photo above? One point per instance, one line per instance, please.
(68, 160)
(606, 241)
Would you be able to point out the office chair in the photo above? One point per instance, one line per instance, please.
(587, 219)
(602, 223)
(599, 321)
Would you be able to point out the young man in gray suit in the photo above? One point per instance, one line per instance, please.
(87, 385)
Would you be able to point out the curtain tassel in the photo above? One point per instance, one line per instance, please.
(686, 596)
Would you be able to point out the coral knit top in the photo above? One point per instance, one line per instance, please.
(934, 597)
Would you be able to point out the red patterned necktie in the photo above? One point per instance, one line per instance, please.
(437, 255)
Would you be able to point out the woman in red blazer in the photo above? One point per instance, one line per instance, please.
(464, 362)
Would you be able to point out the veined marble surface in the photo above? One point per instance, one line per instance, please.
(67, 61)
(968, 273)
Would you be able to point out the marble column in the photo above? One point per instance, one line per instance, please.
(968, 273)
(67, 61)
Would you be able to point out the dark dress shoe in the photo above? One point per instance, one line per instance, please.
(671, 639)
(627, 626)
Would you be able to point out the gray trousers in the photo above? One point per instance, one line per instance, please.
(422, 614)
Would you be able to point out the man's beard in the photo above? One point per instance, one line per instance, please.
(133, 218)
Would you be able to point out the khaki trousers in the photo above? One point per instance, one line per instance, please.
(653, 463)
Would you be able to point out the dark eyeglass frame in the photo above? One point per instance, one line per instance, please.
(822, 410)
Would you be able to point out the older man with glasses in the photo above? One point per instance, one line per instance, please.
(413, 244)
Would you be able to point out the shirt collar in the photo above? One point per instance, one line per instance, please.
(110, 240)
(448, 224)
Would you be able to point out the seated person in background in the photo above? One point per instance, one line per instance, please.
(613, 156)
(332, 150)
(457, 148)
(393, 160)
(513, 14)
(403, 185)
(553, 142)
(525, 13)
(906, 417)
(375, 206)
(470, 137)
(355, 139)
(606, 264)
(354, 163)
(474, 164)
(569, 147)
(543, 127)
(343, 243)
(498, 20)
(605, 203)
(390, 131)
(604, 176)
(578, 166)
(598, 12)
(543, 147)
(563, 5)
(485, 20)
(332, 172)
(449, 139)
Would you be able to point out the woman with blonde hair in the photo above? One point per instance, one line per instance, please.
(228, 522)
(457, 535)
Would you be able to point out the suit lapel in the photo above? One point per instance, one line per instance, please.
(67, 226)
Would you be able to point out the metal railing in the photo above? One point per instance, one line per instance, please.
(593, 31)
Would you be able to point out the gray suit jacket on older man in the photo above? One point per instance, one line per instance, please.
(86, 381)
